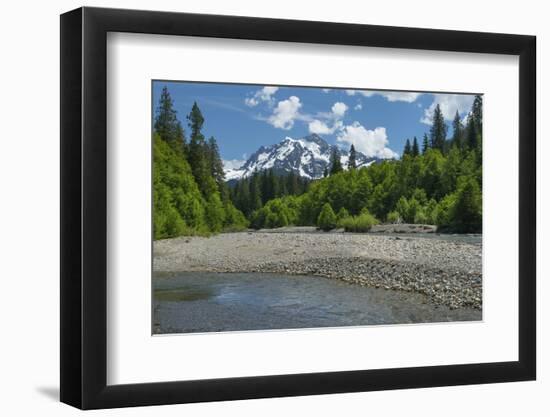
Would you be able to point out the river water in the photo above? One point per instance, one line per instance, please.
(212, 302)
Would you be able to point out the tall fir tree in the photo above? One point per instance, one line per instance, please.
(458, 131)
(438, 131)
(415, 151)
(215, 161)
(425, 143)
(216, 167)
(477, 113)
(265, 187)
(273, 187)
(407, 149)
(166, 123)
(198, 152)
(255, 193)
(352, 161)
(335, 163)
(242, 198)
(478, 118)
(471, 133)
(293, 186)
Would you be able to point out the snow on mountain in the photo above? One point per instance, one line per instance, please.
(308, 157)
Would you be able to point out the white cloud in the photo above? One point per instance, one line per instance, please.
(263, 95)
(370, 142)
(449, 104)
(358, 106)
(326, 90)
(233, 163)
(321, 128)
(388, 95)
(251, 101)
(400, 96)
(285, 113)
(339, 109)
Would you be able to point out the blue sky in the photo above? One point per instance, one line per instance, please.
(243, 117)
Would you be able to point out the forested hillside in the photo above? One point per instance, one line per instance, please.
(438, 182)
(189, 191)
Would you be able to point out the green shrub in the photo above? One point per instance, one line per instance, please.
(442, 212)
(466, 211)
(327, 219)
(430, 211)
(393, 217)
(234, 219)
(420, 217)
(279, 212)
(174, 225)
(274, 220)
(342, 214)
(359, 224)
(402, 208)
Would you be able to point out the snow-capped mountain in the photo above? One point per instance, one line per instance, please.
(308, 157)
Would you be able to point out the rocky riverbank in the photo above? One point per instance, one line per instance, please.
(448, 272)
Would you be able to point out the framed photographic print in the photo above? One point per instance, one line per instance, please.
(257, 208)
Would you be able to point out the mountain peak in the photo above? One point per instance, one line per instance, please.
(314, 137)
(308, 157)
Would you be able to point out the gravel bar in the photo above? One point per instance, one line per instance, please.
(448, 272)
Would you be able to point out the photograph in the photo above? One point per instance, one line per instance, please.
(268, 209)
(292, 207)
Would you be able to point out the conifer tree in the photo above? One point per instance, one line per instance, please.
(425, 144)
(273, 187)
(415, 150)
(471, 133)
(166, 123)
(325, 172)
(195, 120)
(281, 186)
(264, 186)
(293, 186)
(458, 130)
(352, 161)
(438, 132)
(327, 219)
(269, 185)
(477, 113)
(407, 149)
(466, 213)
(255, 193)
(215, 162)
(197, 153)
(335, 163)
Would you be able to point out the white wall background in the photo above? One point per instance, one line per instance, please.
(29, 212)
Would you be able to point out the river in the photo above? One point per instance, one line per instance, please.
(198, 302)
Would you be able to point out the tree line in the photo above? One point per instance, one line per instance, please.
(252, 193)
(439, 184)
(190, 195)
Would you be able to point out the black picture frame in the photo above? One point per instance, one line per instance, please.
(84, 207)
